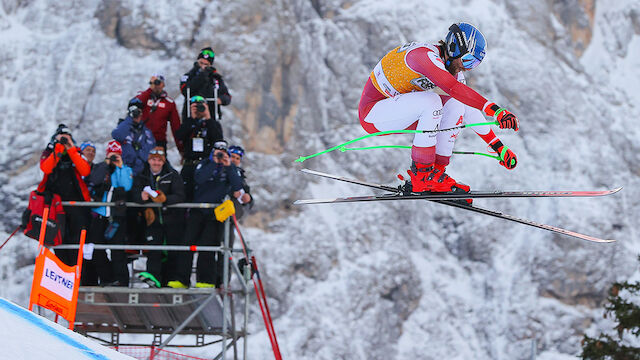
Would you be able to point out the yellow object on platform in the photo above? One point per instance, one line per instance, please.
(224, 210)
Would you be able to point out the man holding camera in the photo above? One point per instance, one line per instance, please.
(160, 183)
(204, 80)
(198, 133)
(136, 139)
(109, 181)
(63, 168)
(159, 109)
(215, 177)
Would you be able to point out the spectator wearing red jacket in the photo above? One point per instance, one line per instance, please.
(159, 109)
(63, 168)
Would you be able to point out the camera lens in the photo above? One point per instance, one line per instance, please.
(220, 155)
(200, 107)
(157, 82)
(113, 158)
(64, 140)
(135, 113)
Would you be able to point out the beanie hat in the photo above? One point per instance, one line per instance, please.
(208, 54)
(236, 149)
(87, 144)
(63, 129)
(114, 147)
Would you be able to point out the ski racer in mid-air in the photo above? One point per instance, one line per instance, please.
(421, 86)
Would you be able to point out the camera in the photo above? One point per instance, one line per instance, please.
(63, 140)
(200, 107)
(134, 112)
(157, 82)
(219, 155)
(113, 158)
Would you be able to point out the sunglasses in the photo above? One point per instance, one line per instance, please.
(155, 82)
(195, 99)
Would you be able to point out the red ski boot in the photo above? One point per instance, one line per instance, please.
(425, 177)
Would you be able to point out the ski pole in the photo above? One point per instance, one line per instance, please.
(337, 147)
(343, 149)
(10, 236)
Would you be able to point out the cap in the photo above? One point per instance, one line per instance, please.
(221, 145)
(158, 76)
(114, 147)
(236, 149)
(87, 144)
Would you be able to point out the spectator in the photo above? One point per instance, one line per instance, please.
(159, 109)
(204, 80)
(160, 183)
(136, 139)
(109, 182)
(215, 177)
(236, 153)
(88, 151)
(198, 133)
(63, 168)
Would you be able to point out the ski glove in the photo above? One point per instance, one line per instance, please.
(506, 120)
(508, 157)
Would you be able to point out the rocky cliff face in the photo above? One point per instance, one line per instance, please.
(400, 280)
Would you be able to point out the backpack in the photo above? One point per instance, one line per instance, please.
(32, 217)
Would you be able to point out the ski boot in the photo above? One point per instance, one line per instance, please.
(432, 178)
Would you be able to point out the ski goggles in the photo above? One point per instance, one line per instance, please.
(208, 54)
(196, 99)
(469, 61)
(156, 152)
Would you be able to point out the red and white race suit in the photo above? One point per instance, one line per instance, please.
(407, 90)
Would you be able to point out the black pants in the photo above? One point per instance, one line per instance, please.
(76, 219)
(187, 173)
(202, 230)
(173, 235)
(116, 269)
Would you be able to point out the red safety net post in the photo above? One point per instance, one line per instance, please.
(261, 296)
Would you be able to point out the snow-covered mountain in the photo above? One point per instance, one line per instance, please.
(400, 280)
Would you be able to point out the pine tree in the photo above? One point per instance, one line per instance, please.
(627, 316)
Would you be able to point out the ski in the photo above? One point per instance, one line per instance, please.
(399, 194)
(454, 203)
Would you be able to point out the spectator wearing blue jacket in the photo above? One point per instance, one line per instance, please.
(136, 139)
(215, 177)
(108, 181)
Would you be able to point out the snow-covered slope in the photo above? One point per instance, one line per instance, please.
(394, 280)
(27, 336)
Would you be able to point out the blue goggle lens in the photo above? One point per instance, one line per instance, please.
(469, 61)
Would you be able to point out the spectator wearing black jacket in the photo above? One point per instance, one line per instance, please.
(198, 133)
(215, 177)
(160, 183)
(204, 80)
(64, 168)
(236, 154)
(109, 181)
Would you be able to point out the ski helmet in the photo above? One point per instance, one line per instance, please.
(467, 42)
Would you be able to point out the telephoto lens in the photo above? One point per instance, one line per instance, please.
(200, 107)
